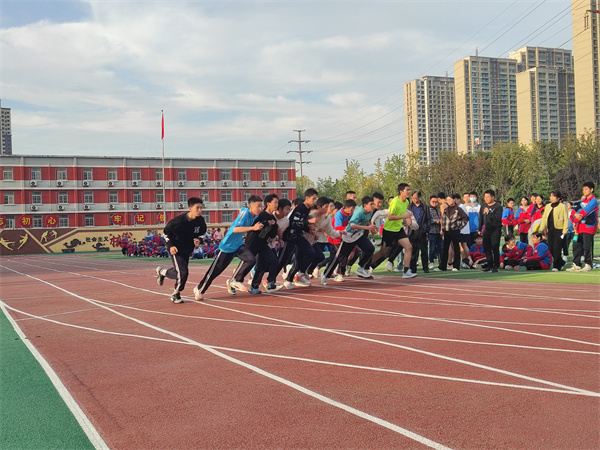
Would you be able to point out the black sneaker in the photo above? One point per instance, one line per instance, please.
(160, 279)
(176, 297)
(487, 269)
(495, 270)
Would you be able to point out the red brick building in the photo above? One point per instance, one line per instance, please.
(84, 191)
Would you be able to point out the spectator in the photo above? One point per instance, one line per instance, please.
(453, 219)
(490, 226)
(585, 225)
(569, 237)
(556, 221)
(523, 218)
(198, 252)
(508, 218)
(473, 211)
(513, 252)
(465, 232)
(540, 259)
(418, 238)
(476, 258)
(217, 236)
(435, 229)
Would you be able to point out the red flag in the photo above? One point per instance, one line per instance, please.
(162, 117)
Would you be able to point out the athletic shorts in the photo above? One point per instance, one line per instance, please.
(390, 238)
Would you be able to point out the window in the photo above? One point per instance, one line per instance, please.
(204, 196)
(36, 173)
(158, 174)
(265, 193)
(227, 216)
(88, 197)
(9, 198)
(137, 196)
(10, 222)
(206, 217)
(203, 175)
(113, 175)
(284, 175)
(136, 174)
(247, 195)
(246, 175)
(36, 198)
(159, 197)
(7, 174)
(182, 175)
(37, 222)
(225, 174)
(63, 220)
(113, 197)
(226, 196)
(264, 175)
(63, 197)
(183, 198)
(61, 174)
(88, 174)
(284, 194)
(89, 220)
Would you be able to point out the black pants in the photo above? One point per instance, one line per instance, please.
(179, 272)
(491, 245)
(266, 261)
(367, 250)
(317, 261)
(304, 255)
(555, 244)
(524, 238)
(583, 246)
(532, 265)
(566, 242)
(451, 238)
(223, 260)
(418, 241)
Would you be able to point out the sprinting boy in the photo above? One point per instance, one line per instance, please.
(233, 245)
(180, 234)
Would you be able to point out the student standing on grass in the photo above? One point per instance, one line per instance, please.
(418, 238)
(453, 219)
(490, 226)
(556, 221)
(473, 211)
(180, 234)
(233, 245)
(523, 219)
(585, 225)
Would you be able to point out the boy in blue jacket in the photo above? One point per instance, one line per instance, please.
(233, 245)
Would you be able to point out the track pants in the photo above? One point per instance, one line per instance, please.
(223, 260)
(179, 271)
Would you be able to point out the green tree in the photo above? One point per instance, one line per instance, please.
(302, 184)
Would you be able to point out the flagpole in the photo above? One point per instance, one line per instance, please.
(162, 120)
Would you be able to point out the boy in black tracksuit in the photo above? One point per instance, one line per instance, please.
(490, 227)
(258, 243)
(179, 234)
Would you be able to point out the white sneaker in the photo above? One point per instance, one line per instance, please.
(464, 266)
(554, 269)
(370, 271)
(508, 268)
(397, 270)
(574, 268)
(477, 266)
(238, 286)
(409, 274)
(363, 273)
(437, 269)
(316, 273)
(302, 282)
(338, 278)
(565, 259)
(197, 295)
(431, 266)
(586, 268)
(272, 287)
(302, 278)
(323, 280)
(288, 285)
(389, 266)
(454, 269)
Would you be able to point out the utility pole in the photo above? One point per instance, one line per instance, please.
(299, 151)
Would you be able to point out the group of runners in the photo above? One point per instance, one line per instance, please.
(272, 236)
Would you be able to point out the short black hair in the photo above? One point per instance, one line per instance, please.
(510, 200)
(378, 195)
(509, 238)
(322, 201)
(418, 193)
(194, 201)
(490, 192)
(297, 201)
(432, 196)
(402, 186)
(473, 193)
(366, 199)
(338, 205)
(456, 196)
(350, 192)
(441, 195)
(269, 198)
(254, 199)
(283, 202)
(310, 192)
(590, 185)
(349, 203)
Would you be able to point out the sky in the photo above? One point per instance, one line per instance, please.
(235, 78)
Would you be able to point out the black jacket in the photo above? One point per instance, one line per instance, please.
(492, 219)
(180, 232)
(425, 219)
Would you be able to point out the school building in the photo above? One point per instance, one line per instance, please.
(87, 191)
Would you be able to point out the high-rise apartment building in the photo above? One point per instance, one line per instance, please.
(586, 53)
(5, 133)
(545, 94)
(486, 103)
(429, 117)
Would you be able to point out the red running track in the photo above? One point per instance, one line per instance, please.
(384, 363)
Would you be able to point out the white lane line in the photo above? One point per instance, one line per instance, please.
(85, 423)
(376, 420)
(301, 359)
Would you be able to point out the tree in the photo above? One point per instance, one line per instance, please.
(302, 184)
